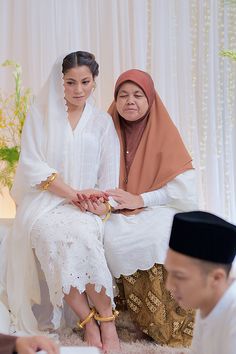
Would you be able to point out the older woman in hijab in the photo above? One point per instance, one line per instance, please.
(157, 180)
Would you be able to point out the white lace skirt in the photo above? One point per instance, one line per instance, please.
(69, 247)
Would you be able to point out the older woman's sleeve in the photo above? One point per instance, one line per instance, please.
(180, 193)
(7, 344)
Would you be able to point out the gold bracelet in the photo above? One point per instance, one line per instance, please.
(49, 181)
(108, 212)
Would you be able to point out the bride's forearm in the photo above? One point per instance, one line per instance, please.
(56, 185)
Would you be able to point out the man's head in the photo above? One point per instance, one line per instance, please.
(202, 248)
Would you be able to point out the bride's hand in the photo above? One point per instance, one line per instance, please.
(90, 200)
(98, 207)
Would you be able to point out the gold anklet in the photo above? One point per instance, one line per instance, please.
(81, 325)
(115, 314)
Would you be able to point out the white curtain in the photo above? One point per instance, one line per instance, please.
(176, 41)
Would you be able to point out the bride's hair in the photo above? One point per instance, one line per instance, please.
(80, 58)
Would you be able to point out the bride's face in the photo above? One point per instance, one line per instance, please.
(78, 85)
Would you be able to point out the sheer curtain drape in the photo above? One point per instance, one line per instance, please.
(176, 41)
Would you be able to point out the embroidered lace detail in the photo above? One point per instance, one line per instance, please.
(69, 247)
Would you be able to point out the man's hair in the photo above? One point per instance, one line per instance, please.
(208, 267)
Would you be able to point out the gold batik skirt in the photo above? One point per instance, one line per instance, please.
(154, 309)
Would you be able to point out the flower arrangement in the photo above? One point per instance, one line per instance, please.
(13, 110)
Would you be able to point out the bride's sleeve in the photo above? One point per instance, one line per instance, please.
(108, 174)
(33, 167)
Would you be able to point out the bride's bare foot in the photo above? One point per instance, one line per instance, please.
(110, 340)
(92, 334)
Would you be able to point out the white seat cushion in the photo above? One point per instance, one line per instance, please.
(5, 224)
(4, 319)
(4, 314)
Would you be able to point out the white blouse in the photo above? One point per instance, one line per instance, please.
(87, 157)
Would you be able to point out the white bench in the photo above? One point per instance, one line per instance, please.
(4, 314)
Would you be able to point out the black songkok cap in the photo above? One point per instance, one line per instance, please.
(204, 236)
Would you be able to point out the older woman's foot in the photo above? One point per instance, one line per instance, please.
(92, 334)
(110, 340)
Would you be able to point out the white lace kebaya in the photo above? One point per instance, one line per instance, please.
(67, 242)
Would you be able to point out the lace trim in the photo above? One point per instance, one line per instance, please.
(69, 247)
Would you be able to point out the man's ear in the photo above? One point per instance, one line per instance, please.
(217, 275)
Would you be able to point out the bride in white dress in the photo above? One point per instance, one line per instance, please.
(68, 147)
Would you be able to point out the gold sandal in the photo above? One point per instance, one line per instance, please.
(98, 318)
(92, 313)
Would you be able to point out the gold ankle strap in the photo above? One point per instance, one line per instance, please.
(115, 314)
(87, 319)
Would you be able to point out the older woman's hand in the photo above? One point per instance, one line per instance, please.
(125, 199)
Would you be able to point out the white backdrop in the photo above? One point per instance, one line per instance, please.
(176, 41)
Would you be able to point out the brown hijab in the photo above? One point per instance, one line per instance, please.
(160, 154)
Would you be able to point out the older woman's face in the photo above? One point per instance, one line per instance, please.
(131, 102)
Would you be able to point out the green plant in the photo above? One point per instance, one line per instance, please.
(13, 110)
(228, 53)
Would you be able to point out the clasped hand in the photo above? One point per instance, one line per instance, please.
(91, 200)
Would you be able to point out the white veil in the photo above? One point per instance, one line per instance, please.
(42, 136)
(42, 153)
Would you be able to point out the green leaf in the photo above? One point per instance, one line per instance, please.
(10, 155)
(228, 53)
(13, 110)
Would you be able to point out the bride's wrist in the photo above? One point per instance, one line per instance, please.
(72, 194)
